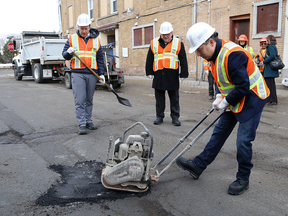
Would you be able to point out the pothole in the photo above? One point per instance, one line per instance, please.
(81, 183)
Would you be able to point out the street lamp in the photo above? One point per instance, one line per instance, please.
(129, 12)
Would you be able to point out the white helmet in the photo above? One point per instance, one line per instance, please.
(83, 20)
(198, 34)
(166, 28)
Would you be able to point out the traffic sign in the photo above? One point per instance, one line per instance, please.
(11, 46)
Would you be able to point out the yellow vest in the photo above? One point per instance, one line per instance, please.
(225, 85)
(167, 57)
(87, 52)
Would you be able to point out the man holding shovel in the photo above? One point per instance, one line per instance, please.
(86, 45)
(242, 90)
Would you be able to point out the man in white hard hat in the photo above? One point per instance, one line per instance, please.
(165, 55)
(86, 44)
(232, 67)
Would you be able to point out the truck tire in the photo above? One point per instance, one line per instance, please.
(38, 73)
(116, 85)
(68, 81)
(17, 74)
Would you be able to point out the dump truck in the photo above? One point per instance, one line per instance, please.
(39, 55)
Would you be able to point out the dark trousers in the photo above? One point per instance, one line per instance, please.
(174, 103)
(246, 134)
(270, 81)
(212, 84)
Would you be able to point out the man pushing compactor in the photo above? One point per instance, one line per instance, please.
(243, 93)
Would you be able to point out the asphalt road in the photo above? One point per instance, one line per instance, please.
(46, 168)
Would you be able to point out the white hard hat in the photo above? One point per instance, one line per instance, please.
(166, 28)
(83, 20)
(198, 34)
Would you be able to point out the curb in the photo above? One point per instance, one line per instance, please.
(5, 66)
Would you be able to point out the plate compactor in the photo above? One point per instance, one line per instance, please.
(129, 162)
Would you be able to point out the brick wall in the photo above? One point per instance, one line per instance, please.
(179, 13)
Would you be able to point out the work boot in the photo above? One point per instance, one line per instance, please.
(189, 166)
(238, 187)
(82, 130)
(176, 122)
(158, 121)
(91, 126)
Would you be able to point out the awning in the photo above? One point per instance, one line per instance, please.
(108, 27)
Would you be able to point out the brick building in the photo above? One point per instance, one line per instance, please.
(132, 24)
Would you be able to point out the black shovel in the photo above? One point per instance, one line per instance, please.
(120, 99)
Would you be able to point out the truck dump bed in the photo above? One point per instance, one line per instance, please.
(45, 51)
(42, 47)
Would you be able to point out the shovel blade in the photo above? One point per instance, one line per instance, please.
(124, 101)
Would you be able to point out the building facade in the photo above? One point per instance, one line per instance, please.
(132, 24)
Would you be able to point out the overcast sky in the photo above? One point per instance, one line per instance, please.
(28, 15)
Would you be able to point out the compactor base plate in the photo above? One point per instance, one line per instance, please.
(129, 186)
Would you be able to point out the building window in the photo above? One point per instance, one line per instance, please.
(70, 14)
(111, 39)
(142, 35)
(113, 4)
(267, 18)
(90, 9)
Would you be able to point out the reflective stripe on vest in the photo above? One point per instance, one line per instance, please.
(87, 52)
(257, 83)
(167, 57)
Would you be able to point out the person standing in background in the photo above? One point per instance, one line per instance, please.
(260, 55)
(268, 73)
(243, 42)
(166, 53)
(211, 82)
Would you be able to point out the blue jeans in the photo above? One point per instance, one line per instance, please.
(246, 134)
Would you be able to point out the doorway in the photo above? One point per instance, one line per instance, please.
(239, 25)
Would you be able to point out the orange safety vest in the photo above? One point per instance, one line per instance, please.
(87, 52)
(167, 57)
(225, 85)
(260, 55)
(206, 65)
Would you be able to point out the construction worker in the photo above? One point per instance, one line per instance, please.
(211, 82)
(243, 42)
(242, 90)
(86, 44)
(165, 55)
(260, 55)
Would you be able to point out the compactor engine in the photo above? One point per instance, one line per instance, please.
(128, 162)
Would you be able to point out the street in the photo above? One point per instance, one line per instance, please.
(46, 168)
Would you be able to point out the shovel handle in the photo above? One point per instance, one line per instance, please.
(91, 70)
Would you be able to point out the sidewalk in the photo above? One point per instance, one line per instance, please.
(191, 82)
(6, 66)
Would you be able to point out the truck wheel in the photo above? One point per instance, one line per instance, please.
(17, 74)
(68, 81)
(116, 85)
(38, 73)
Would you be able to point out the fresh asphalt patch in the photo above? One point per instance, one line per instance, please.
(81, 183)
